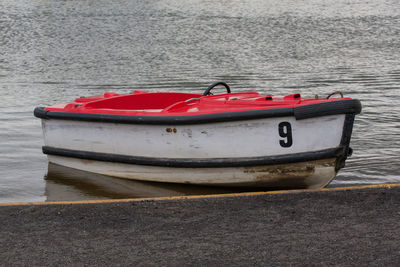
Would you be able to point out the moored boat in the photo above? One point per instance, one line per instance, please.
(230, 139)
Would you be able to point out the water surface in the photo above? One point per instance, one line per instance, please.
(52, 52)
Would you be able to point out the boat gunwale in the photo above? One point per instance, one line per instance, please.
(346, 106)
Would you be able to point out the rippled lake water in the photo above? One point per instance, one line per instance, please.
(54, 51)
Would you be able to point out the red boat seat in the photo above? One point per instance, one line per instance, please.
(152, 101)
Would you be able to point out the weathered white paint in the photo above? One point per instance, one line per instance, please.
(251, 138)
(313, 174)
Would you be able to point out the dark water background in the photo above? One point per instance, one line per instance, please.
(54, 51)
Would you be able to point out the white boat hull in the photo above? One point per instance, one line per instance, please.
(271, 152)
(238, 139)
(311, 174)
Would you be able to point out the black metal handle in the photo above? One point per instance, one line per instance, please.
(335, 93)
(207, 91)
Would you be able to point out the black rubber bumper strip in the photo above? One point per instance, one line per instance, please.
(348, 106)
(196, 163)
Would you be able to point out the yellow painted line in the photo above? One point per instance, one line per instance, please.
(278, 192)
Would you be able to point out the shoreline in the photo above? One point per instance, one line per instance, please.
(274, 192)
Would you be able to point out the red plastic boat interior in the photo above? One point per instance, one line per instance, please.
(181, 104)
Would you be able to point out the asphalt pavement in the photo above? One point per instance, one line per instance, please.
(346, 227)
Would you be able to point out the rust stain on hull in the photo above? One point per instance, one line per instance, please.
(299, 175)
(171, 130)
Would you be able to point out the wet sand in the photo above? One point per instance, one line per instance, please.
(329, 227)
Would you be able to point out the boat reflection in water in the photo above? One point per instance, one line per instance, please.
(67, 184)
